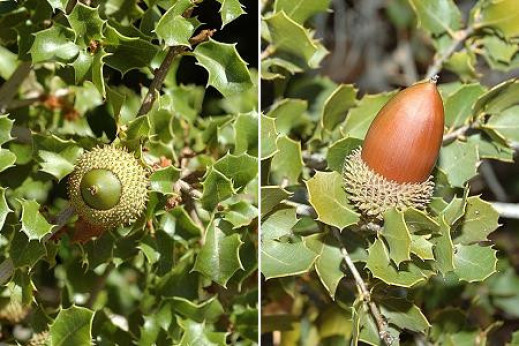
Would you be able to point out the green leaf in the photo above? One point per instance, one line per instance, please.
(479, 221)
(4, 207)
(339, 150)
(328, 264)
(173, 28)
(422, 247)
(58, 4)
(287, 162)
(301, 10)
(162, 180)
(86, 23)
(443, 248)
(381, 267)
(474, 262)
(241, 169)
(54, 44)
(7, 159)
(228, 72)
(290, 40)
(269, 137)
(404, 314)
(281, 259)
(200, 334)
(500, 15)
(240, 214)
(437, 17)
(219, 258)
(499, 98)
(419, 222)
(72, 326)
(6, 126)
(60, 164)
(458, 106)
(25, 252)
(359, 118)
(246, 134)
(230, 10)
(459, 161)
(337, 104)
(329, 200)
(216, 188)
(209, 310)
(127, 53)
(289, 114)
(489, 149)
(279, 224)
(271, 196)
(34, 225)
(397, 236)
(506, 124)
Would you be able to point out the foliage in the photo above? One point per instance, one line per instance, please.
(185, 273)
(435, 276)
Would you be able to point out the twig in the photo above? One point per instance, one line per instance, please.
(10, 87)
(507, 210)
(383, 333)
(490, 177)
(302, 209)
(6, 270)
(436, 67)
(189, 194)
(162, 71)
(457, 133)
(267, 52)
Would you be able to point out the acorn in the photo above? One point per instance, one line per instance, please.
(108, 187)
(393, 167)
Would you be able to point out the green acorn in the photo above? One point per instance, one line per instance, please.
(108, 187)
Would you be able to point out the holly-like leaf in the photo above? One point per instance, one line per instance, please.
(7, 159)
(329, 200)
(287, 162)
(474, 262)
(241, 169)
(60, 164)
(269, 137)
(359, 118)
(25, 252)
(4, 207)
(336, 106)
(228, 72)
(328, 264)
(209, 310)
(301, 10)
(459, 161)
(279, 224)
(230, 10)
(246, 134)
(397, 236)
(285, 258)
(289, 39)
(422, 247)
(6, 125)
(271, 196)
(458, 106)
(506, 124)
(219, 258)
(217, 188)
(479, 221)
(500, 15)
(404, 314)
(381, 267)
(72, 326)
(499, 98)
(162, 180)
(86, 23)
(339, 150)
(443, 248)
(34, 225)
(54, 44)
(289, 114)
(437, 17)
(240, 214)
(175, 29)
(199, 334)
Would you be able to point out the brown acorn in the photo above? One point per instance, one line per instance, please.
(392, 170)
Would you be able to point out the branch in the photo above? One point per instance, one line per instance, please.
(10, 87)
(437, 65)
(384, 335)
(162, 71)
(457, 133)
(507, 210)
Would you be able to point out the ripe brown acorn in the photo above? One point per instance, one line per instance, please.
(392, 170)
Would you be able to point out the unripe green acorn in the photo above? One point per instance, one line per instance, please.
(108, 187)
(392, 170)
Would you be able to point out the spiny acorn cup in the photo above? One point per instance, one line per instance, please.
(108, 187)
(393, 167)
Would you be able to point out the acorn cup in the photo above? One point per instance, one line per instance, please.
(393, 167)
(108, 187)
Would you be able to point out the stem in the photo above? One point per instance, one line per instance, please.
(457, 133)
(507, 210)
(384, 335)
(160, 75)
(10, 87)
(436, 67)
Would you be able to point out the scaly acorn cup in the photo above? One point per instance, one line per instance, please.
(108, 187)
(393, 167)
